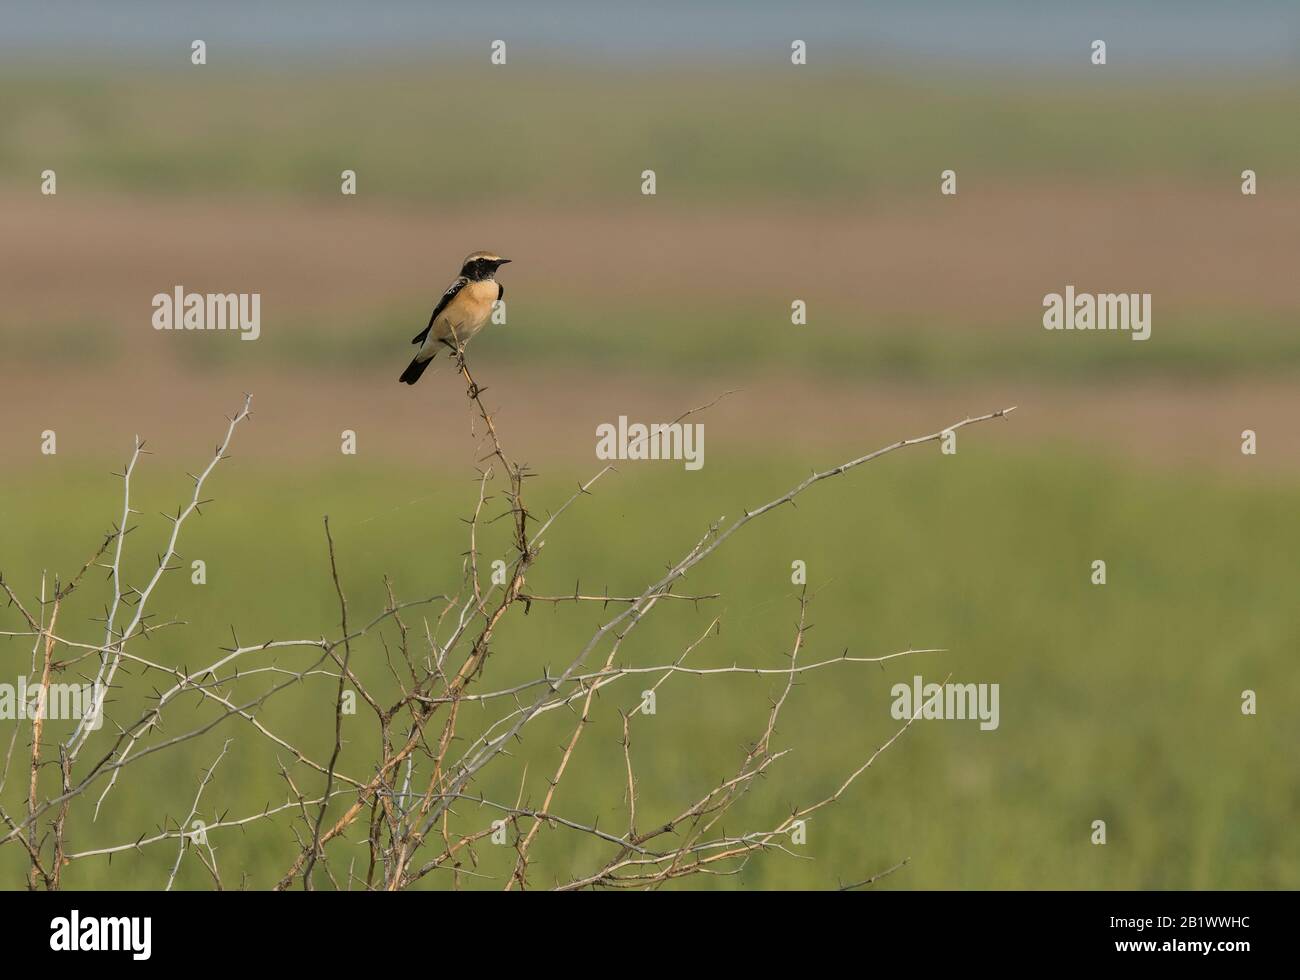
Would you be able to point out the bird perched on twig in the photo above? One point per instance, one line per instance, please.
(461, 313)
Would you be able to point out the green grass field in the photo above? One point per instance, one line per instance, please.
(842, 345)
(559, 134)
(1118, 702)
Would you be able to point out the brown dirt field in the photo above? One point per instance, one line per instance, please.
(989, 251)
(550, 421)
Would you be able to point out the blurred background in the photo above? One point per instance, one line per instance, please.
(775, 182)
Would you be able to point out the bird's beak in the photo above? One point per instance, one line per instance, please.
(502, 261)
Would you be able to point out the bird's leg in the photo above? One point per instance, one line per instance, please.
(473, 390)
(458, 354)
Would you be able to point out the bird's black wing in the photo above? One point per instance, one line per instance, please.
(447, 297)
(501, 291)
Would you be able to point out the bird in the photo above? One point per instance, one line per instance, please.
(461, 312)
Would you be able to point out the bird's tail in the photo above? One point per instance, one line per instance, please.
(413, 370)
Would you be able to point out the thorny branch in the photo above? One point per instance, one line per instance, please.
(412, 781)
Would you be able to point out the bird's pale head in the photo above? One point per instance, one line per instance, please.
(481, 265)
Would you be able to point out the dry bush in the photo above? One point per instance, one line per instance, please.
(406, 810)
